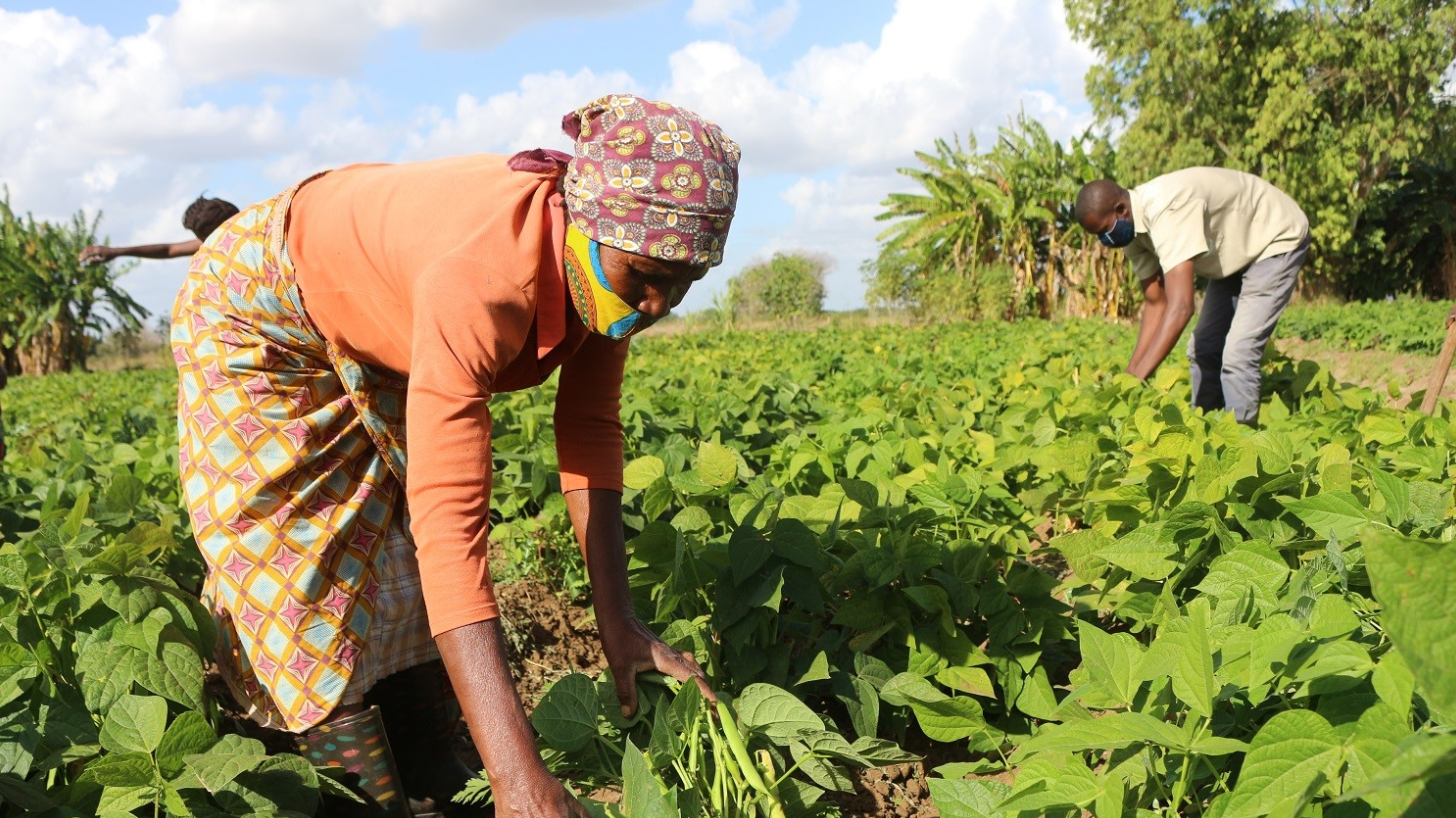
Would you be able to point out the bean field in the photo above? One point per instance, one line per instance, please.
(965, 570)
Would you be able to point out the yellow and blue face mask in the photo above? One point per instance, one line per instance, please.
(603, 311)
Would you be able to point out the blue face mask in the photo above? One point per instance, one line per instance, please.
(1121, 234)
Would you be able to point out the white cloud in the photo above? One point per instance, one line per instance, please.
(332, 130)
(90, 118)
(454, 24)
(227, 39)
(133, 124)
(739, 20)
(529, 117)
(858, 111)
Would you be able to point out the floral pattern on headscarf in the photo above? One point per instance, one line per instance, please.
(651, 178)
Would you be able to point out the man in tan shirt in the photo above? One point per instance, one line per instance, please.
(1242, 234)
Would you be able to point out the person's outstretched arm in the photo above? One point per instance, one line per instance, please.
(97, 253)
(1168, 308)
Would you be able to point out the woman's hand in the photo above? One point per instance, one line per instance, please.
(632, 648)
(96, 253)
(539, 795)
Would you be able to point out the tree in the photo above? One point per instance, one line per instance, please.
(789, 285)
(991, 235)
(1325, 99)
(52, 307)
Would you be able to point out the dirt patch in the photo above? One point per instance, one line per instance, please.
(547, 637)
(1372, 368)
(898, 791)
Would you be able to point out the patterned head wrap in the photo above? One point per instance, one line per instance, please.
(651, 178)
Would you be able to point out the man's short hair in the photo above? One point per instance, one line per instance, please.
(1096, 198)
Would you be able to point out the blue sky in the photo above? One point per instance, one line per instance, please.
(134, 108)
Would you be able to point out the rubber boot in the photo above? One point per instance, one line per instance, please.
(359, 745)
(421, 717)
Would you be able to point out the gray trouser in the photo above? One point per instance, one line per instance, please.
(1238, 316)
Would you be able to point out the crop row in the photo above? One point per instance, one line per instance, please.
(976, 544)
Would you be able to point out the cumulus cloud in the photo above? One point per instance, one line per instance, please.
(135, 124)
(843, 118)
(90, 117)
(455, 24)
(225, 39)
(740, 21)
(528, 117)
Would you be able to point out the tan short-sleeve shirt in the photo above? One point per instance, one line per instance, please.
(1223, 220)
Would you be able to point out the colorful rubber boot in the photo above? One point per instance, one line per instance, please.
(421, 717)
(358, 744)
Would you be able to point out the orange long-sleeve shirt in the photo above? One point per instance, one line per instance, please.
(450, 272)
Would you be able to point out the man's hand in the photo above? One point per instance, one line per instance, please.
(1451, 319)
(631, 649)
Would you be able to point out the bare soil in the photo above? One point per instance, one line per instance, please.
(898, 791)
(547, 637)
(1373, 368)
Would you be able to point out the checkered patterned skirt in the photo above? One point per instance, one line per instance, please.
(292, 462)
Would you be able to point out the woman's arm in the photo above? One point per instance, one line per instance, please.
(475, 657)
(100, 252)
(631, 647)
(469, 322)
(589, 449)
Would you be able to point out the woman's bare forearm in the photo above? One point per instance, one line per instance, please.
(475, 657)
(596, 514)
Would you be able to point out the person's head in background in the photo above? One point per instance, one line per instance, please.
(206, 215)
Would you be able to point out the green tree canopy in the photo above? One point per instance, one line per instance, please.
(789, 285)
(1325, 99)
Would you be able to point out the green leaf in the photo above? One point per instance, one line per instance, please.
(643, 472)
(1045, 783)
(1183, 649)
(566, 718)
(941, 717)
(134, 724)
(973, 680)
(1292, 752)
(121, 770)
(1143, 552)
(1332, 514)
(189, 734)
(643, 796)
(1420, 756)
(967, 799)
(1415, 583)
(176, 674)
(224, 761)
(1081, 550)
(863, 707)
(107, 670)
(22, 794)
(1396, 493)
(1111, 661)
(1393, 681)
(818, 670)
(1250, 568)
(1111, 731)
(716, 465)
(775, 712)
(283, 783)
